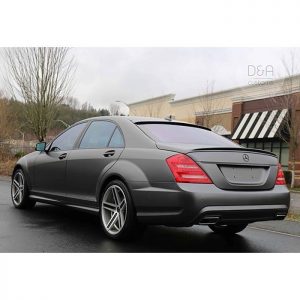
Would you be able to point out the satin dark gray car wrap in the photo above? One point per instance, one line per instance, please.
(157, 198)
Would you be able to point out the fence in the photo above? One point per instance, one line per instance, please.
(12, 148)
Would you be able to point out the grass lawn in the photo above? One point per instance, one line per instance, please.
(293, 217)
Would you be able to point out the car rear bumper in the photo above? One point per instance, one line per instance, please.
(187, 204)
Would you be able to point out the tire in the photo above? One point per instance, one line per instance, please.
(19, 191)
(228, 229)
(117, 213)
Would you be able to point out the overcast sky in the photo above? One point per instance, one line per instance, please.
(105, 75)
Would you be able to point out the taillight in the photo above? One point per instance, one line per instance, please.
(186, 170)
(280, 180)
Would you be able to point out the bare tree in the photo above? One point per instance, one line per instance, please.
(71, 102)
(153, 109)
(4, 119)
(290, 126)
(206, 108)
(42, 78)
(114, 109)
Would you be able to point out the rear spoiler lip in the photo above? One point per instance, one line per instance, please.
(233, 149)
(164, 122)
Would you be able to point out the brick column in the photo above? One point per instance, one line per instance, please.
(296, 118)
(199, 120)
(237, 111)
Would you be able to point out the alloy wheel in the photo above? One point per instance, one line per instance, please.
(114, 209)
(18, 188)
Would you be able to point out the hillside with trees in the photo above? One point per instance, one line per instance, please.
(16, 135)
(13, 119)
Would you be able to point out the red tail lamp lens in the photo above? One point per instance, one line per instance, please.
(186, 170)
(280, 180)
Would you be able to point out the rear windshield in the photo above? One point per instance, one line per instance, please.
(180, 134)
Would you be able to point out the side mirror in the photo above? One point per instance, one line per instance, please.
(40, 146)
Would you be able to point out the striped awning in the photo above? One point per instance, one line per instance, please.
(259, 125)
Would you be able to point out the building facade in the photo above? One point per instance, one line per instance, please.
(259, 116)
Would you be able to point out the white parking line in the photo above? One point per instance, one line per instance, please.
(273, 231)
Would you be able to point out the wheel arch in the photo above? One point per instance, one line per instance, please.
(106, 180)
(21, 166)
(17, 166)
(123, 170)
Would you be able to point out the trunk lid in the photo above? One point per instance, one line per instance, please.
(234, 168)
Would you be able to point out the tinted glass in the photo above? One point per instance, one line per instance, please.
(67, 140)
(97, 135)
(168, 133)
(116, 140)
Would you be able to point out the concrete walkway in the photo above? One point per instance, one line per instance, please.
(5, 178)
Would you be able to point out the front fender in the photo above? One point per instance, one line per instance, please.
(26, 163)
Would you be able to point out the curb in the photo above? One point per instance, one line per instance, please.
(5, 178)
(294, 192)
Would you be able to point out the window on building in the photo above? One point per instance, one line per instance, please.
(280, 148)
(285, 155)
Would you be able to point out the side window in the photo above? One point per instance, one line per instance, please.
(67, 140)
(117, 140)
(97, 135)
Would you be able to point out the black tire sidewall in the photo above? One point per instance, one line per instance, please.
(228, 229)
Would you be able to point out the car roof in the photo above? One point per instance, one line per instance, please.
(144, 120)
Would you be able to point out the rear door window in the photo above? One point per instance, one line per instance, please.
(97, 135)
(182, 134)
(117, 140)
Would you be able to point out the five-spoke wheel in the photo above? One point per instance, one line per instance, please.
(114, 209)
(19, 191)
(18, 188)
(117, 213)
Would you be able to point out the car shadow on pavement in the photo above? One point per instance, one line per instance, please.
(60, 229)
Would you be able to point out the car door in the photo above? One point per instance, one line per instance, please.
(99, 149)
(50, 165)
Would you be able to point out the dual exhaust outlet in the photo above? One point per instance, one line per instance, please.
(209, 220)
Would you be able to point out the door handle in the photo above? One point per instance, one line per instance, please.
(62, 156)
(109, 153)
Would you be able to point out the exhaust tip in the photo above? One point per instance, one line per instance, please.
(209, 220)
(280, 216)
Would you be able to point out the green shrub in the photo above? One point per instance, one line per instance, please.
(20, 154)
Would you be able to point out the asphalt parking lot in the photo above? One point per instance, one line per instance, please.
(54, 229)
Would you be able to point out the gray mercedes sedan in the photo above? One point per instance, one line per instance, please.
(135, 171)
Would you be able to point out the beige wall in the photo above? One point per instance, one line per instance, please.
(158, 107)
(214, 103)
(183, 110)
(223, 119)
